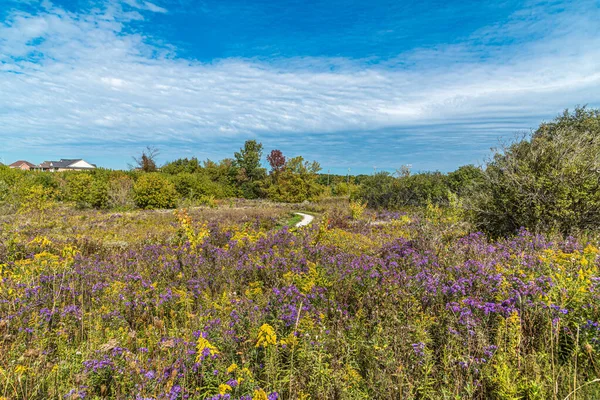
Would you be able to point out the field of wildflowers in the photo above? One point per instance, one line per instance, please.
(233, 304)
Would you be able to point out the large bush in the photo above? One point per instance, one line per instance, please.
(154, 191)
(86, 189)
(385, 191)
(548, 181)
(295, 182)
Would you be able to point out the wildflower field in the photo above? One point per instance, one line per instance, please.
(232, 303)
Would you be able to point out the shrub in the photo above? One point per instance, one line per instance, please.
(465, 178)
(297, 182)
(78, 188)
(86, 189)
(384, 191)
(182, 165)
(4, 191)
(154, 191)
(357, 209)
(549, 181)
(98, 196)
(37, 199)
(378, 190)
(119, 191)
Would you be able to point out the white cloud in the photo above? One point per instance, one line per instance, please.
(145, 5)
(67, 77)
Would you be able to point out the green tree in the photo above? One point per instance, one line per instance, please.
(547, 181)
(296, 182)
(190, 166)
(250, 173)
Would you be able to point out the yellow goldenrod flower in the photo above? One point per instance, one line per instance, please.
(232, 368)
(224, 388)
(266, 336)
(259, 394)
(202, 345)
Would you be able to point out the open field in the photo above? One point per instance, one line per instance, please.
(230, 302)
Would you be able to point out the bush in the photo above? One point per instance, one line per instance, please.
(86, 189)
(384, 191)
(464, 179)
(378, 190)
(296, 182)
(78, 188)
(549, 181)
(182, 165)
(154, 191)
(98, 197)
(37, 199)
(119, 191)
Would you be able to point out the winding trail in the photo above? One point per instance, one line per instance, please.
(306, 219)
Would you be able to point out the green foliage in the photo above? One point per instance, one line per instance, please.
(86, 189)
(549, 181)
(37, 199)
(385, 191)
(249, 170)
(378, 190)
(198, 185)
(296, 182)
(4, 191)
(98, 197)
(344, 189)
(154, 191)
(78, 188)
(465, 178)
(178, 166)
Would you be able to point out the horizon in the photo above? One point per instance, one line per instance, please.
(350, 85)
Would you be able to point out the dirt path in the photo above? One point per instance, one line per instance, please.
(306, 219)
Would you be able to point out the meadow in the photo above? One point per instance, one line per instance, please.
(233, 302)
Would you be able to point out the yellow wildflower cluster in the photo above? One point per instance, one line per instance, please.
(254, 290)
(232, 368)
(224, 388)
(572, 274)
(354, 243)
(260, 394)
(40, 241)
(201, 345)
(247, 235)
(357, 209)
(196, 238)
(352, 376)
(290, 341)
(306, 281)
(266, 336)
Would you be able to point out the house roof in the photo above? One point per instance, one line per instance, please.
(20, 162)
(62, 163)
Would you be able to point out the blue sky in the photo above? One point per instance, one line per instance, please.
(352, 84)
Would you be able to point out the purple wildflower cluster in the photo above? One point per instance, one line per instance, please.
(174, 321)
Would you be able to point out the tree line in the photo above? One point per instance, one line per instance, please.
(548, 180)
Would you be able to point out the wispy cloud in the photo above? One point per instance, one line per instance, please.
(68, 77)
(145, 5)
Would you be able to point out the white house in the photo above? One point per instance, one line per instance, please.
(65, 165)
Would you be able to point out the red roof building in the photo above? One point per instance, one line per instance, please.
(21, 164)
